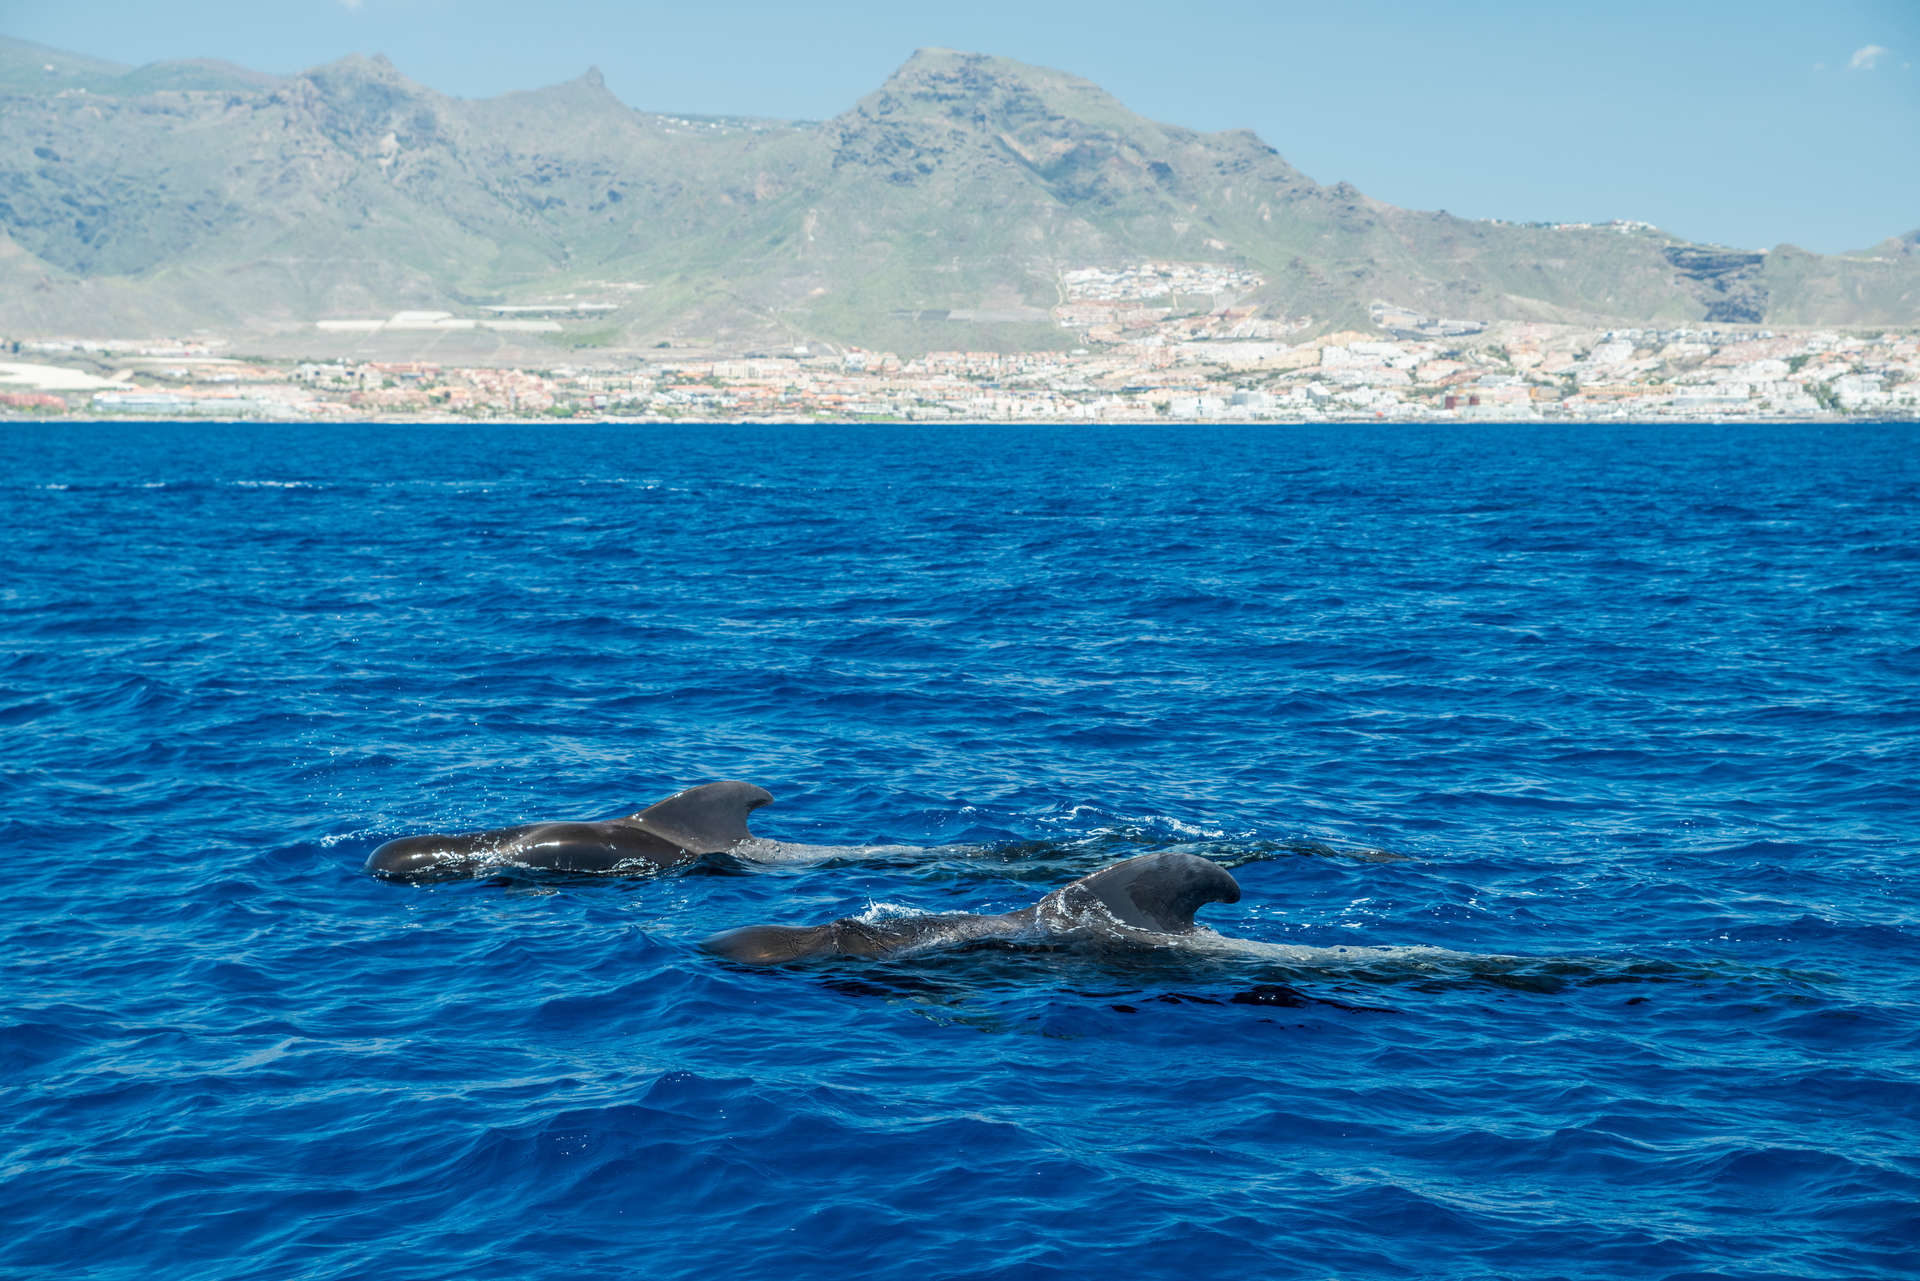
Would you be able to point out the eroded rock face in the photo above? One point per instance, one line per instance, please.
(1727, 281)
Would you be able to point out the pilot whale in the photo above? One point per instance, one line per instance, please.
(1142, 902)
(1147, 905)
(687, 826)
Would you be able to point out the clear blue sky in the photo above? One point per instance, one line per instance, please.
(1748, 123)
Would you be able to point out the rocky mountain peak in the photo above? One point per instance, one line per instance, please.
(363, 102)
(983, 90)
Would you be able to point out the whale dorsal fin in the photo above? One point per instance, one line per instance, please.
(1157, 891)
(708, 819)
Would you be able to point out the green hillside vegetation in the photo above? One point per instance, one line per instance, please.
(198, 196)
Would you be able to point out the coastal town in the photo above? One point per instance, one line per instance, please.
(1148, 341)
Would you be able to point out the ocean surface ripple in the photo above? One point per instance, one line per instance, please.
(1637, 705)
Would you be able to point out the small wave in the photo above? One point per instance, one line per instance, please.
(1130, 825)
(877, 911)
(768, 851)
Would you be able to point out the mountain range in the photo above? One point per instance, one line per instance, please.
(942, 210)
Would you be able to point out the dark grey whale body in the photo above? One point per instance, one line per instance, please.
(1139, 902)
(687, 826)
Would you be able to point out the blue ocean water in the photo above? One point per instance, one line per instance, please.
(1642, 703)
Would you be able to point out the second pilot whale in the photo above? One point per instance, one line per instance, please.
(1146, 905)
(685, 827)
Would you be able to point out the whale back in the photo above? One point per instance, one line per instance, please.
(781, 944)
(708, 819)
(1158, 892)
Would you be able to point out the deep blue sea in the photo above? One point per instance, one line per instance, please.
(1637, 704)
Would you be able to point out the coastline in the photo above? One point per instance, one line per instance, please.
(1757, 420)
